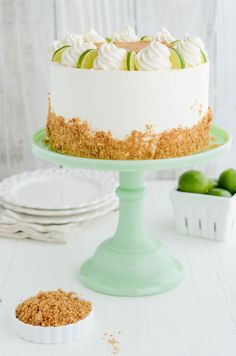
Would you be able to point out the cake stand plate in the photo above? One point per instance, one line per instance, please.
(131, 263)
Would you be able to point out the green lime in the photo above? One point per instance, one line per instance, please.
(193, 182)
(86, 59)
(212, 184)
(130, 60)
(219, 192)
(227, 180)
(176, 59)
(108, 39)
(56, 57)
(145, 38)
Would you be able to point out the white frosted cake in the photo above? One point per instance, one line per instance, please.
(128, 97)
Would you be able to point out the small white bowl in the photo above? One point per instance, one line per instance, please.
(53, 334)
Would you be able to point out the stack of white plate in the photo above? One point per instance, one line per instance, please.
(55, 197)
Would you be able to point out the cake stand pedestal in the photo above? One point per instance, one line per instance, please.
(131, 263)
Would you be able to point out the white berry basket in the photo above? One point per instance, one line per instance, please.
(207, 216)
(54, 334)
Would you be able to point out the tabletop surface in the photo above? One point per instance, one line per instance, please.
(198, 318)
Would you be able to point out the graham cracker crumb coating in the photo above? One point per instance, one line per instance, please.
(74, 137)
(53, 308)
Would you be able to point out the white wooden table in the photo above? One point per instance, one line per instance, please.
(196, 319)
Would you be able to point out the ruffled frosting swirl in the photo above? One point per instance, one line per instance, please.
(163, 36)
(69, 39)
(153, 57)
(190, 51)
(93, 36)
(71, 55)
(110, 57)
(126, 35)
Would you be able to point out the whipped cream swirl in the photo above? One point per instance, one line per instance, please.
(153, 57)
(69, 39)
(71, 55)
(195, 40)
(127, 35)
(190, 51)
(93, 36)
(164, 36)
(110, 57)
(198, 42)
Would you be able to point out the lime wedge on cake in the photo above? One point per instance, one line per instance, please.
(176, 59)
(204, 57)
(146, 38)
(174, 43)
(56, 57)
(130, 61)
(86, 59)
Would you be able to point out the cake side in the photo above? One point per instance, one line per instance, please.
(120, 102)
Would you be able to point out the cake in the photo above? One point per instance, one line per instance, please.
(128, 97)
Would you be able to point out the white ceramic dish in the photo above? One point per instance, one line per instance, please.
(203, 215)
(57, 189)
(72, 218)
(53, 335)
(59, 213)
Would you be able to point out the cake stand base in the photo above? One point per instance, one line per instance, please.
(128, 274)
(131, 263)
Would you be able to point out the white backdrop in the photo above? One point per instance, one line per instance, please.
(28, 26)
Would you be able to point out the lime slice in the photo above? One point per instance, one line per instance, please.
(176, 59)
(145, 38)
(204, 57)
(108, 39)
(86, 59)
(56, 57)
(176, 42)
(220, 192)
(130, 61)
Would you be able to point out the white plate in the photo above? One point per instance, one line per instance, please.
(57, 189)
(57, 213)
(59, 220)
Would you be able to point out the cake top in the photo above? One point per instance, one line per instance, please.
(125, 50)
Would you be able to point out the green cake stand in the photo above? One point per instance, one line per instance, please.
(131, 263)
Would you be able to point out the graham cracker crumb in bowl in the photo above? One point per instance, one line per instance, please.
(53, 308)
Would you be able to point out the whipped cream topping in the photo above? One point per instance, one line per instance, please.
(126, 35)
(110, 57)
(93, 36)
(190, 51)
(163, 36)
(153, 57)
(71, 55)
(195, 40)
(69, 39)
